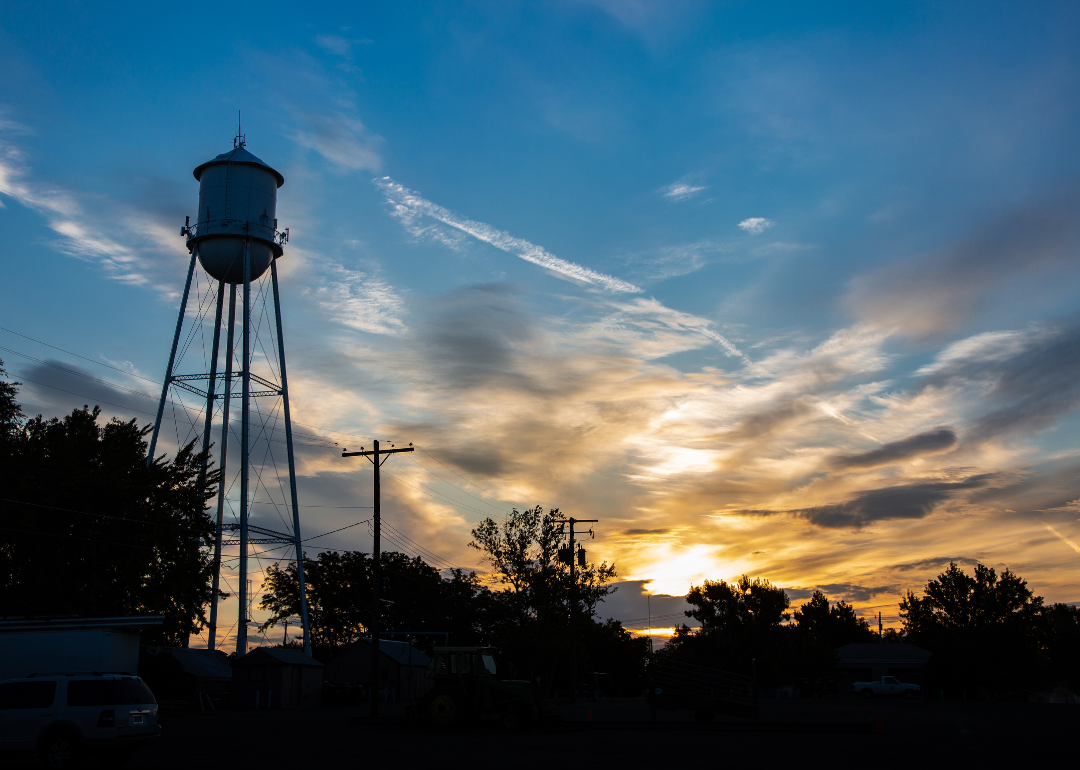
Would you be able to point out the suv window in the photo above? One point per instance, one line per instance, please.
(127, 691)
(32, 695)
(89, 692)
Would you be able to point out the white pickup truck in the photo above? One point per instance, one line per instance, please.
(889, 685)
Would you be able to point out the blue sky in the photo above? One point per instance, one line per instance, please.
(766, 287)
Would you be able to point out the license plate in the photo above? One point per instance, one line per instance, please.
(137, 719)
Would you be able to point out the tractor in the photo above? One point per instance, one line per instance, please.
(466, 687)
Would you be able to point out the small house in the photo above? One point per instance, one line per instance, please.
(276, 678)
(870, 662)
(402, 668)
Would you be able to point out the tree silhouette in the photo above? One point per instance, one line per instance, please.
(87, 528)
(417, 598)
(983, 629)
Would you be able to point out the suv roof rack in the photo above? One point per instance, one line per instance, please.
(77, 673)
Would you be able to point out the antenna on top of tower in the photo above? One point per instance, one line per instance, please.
(240, 139)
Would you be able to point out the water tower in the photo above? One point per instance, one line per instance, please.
(235, 239)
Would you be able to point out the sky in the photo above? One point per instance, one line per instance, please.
(779, 289)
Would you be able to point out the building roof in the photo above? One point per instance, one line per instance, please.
(276, 656)
(239, 155)
(885, 651)
(206, 665)
(133, 623)
(398, 652)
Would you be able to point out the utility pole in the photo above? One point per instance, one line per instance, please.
(574, 560)
(373, 457)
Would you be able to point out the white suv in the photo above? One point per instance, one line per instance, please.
(69, 717)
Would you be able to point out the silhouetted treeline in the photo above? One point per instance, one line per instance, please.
(990, 635)
(87, 529)
(744, 628)
(525, 615)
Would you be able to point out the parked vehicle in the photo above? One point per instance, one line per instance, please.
(705, 691)
(888, 686)
(66, 718)
(467, 687)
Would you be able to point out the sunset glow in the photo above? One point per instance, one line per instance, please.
(767, 296)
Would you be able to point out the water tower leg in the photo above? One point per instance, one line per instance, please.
(224, 457)
(242, 618)
(292, 461)
(211, 385)
(172, 358)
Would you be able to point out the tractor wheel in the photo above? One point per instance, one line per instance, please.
(443, 710)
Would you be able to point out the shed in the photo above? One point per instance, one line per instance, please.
(277, 678)
(56, 645)
(870, 662)
(402, 668)
(186, 675)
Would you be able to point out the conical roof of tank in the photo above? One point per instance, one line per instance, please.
(240, 155)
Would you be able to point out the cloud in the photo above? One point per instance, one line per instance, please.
(937, 292)
(55, 387)
(931, 442)
(137, 247)
(756, 225)
(656, 330)
(850, 592)
(410, 208)
(338, 45)
(934, 564)
(1025, 380)
(360, 301)
(908, 501)
(671, 261)
(654, 20)
(680, 191)
(340, 139)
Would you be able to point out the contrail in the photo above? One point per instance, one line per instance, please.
(408, 205)
(1069, 542)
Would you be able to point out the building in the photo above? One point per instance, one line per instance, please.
(870, 662)
(276, 678)
(183, 675)
(402, 668)
(58, 645)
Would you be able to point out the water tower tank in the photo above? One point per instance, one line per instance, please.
(237, 199)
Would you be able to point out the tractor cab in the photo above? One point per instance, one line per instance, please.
(467, 687)
(455, 662)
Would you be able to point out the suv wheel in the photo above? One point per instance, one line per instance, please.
(59, 749)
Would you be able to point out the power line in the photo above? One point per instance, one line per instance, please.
(440, 462)
(72, 537)
(440, 478)
(91, 360)
(199, 412)
(157, 382)
(102, 515)
(431, 491)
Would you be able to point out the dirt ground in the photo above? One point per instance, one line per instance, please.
(800, 732)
